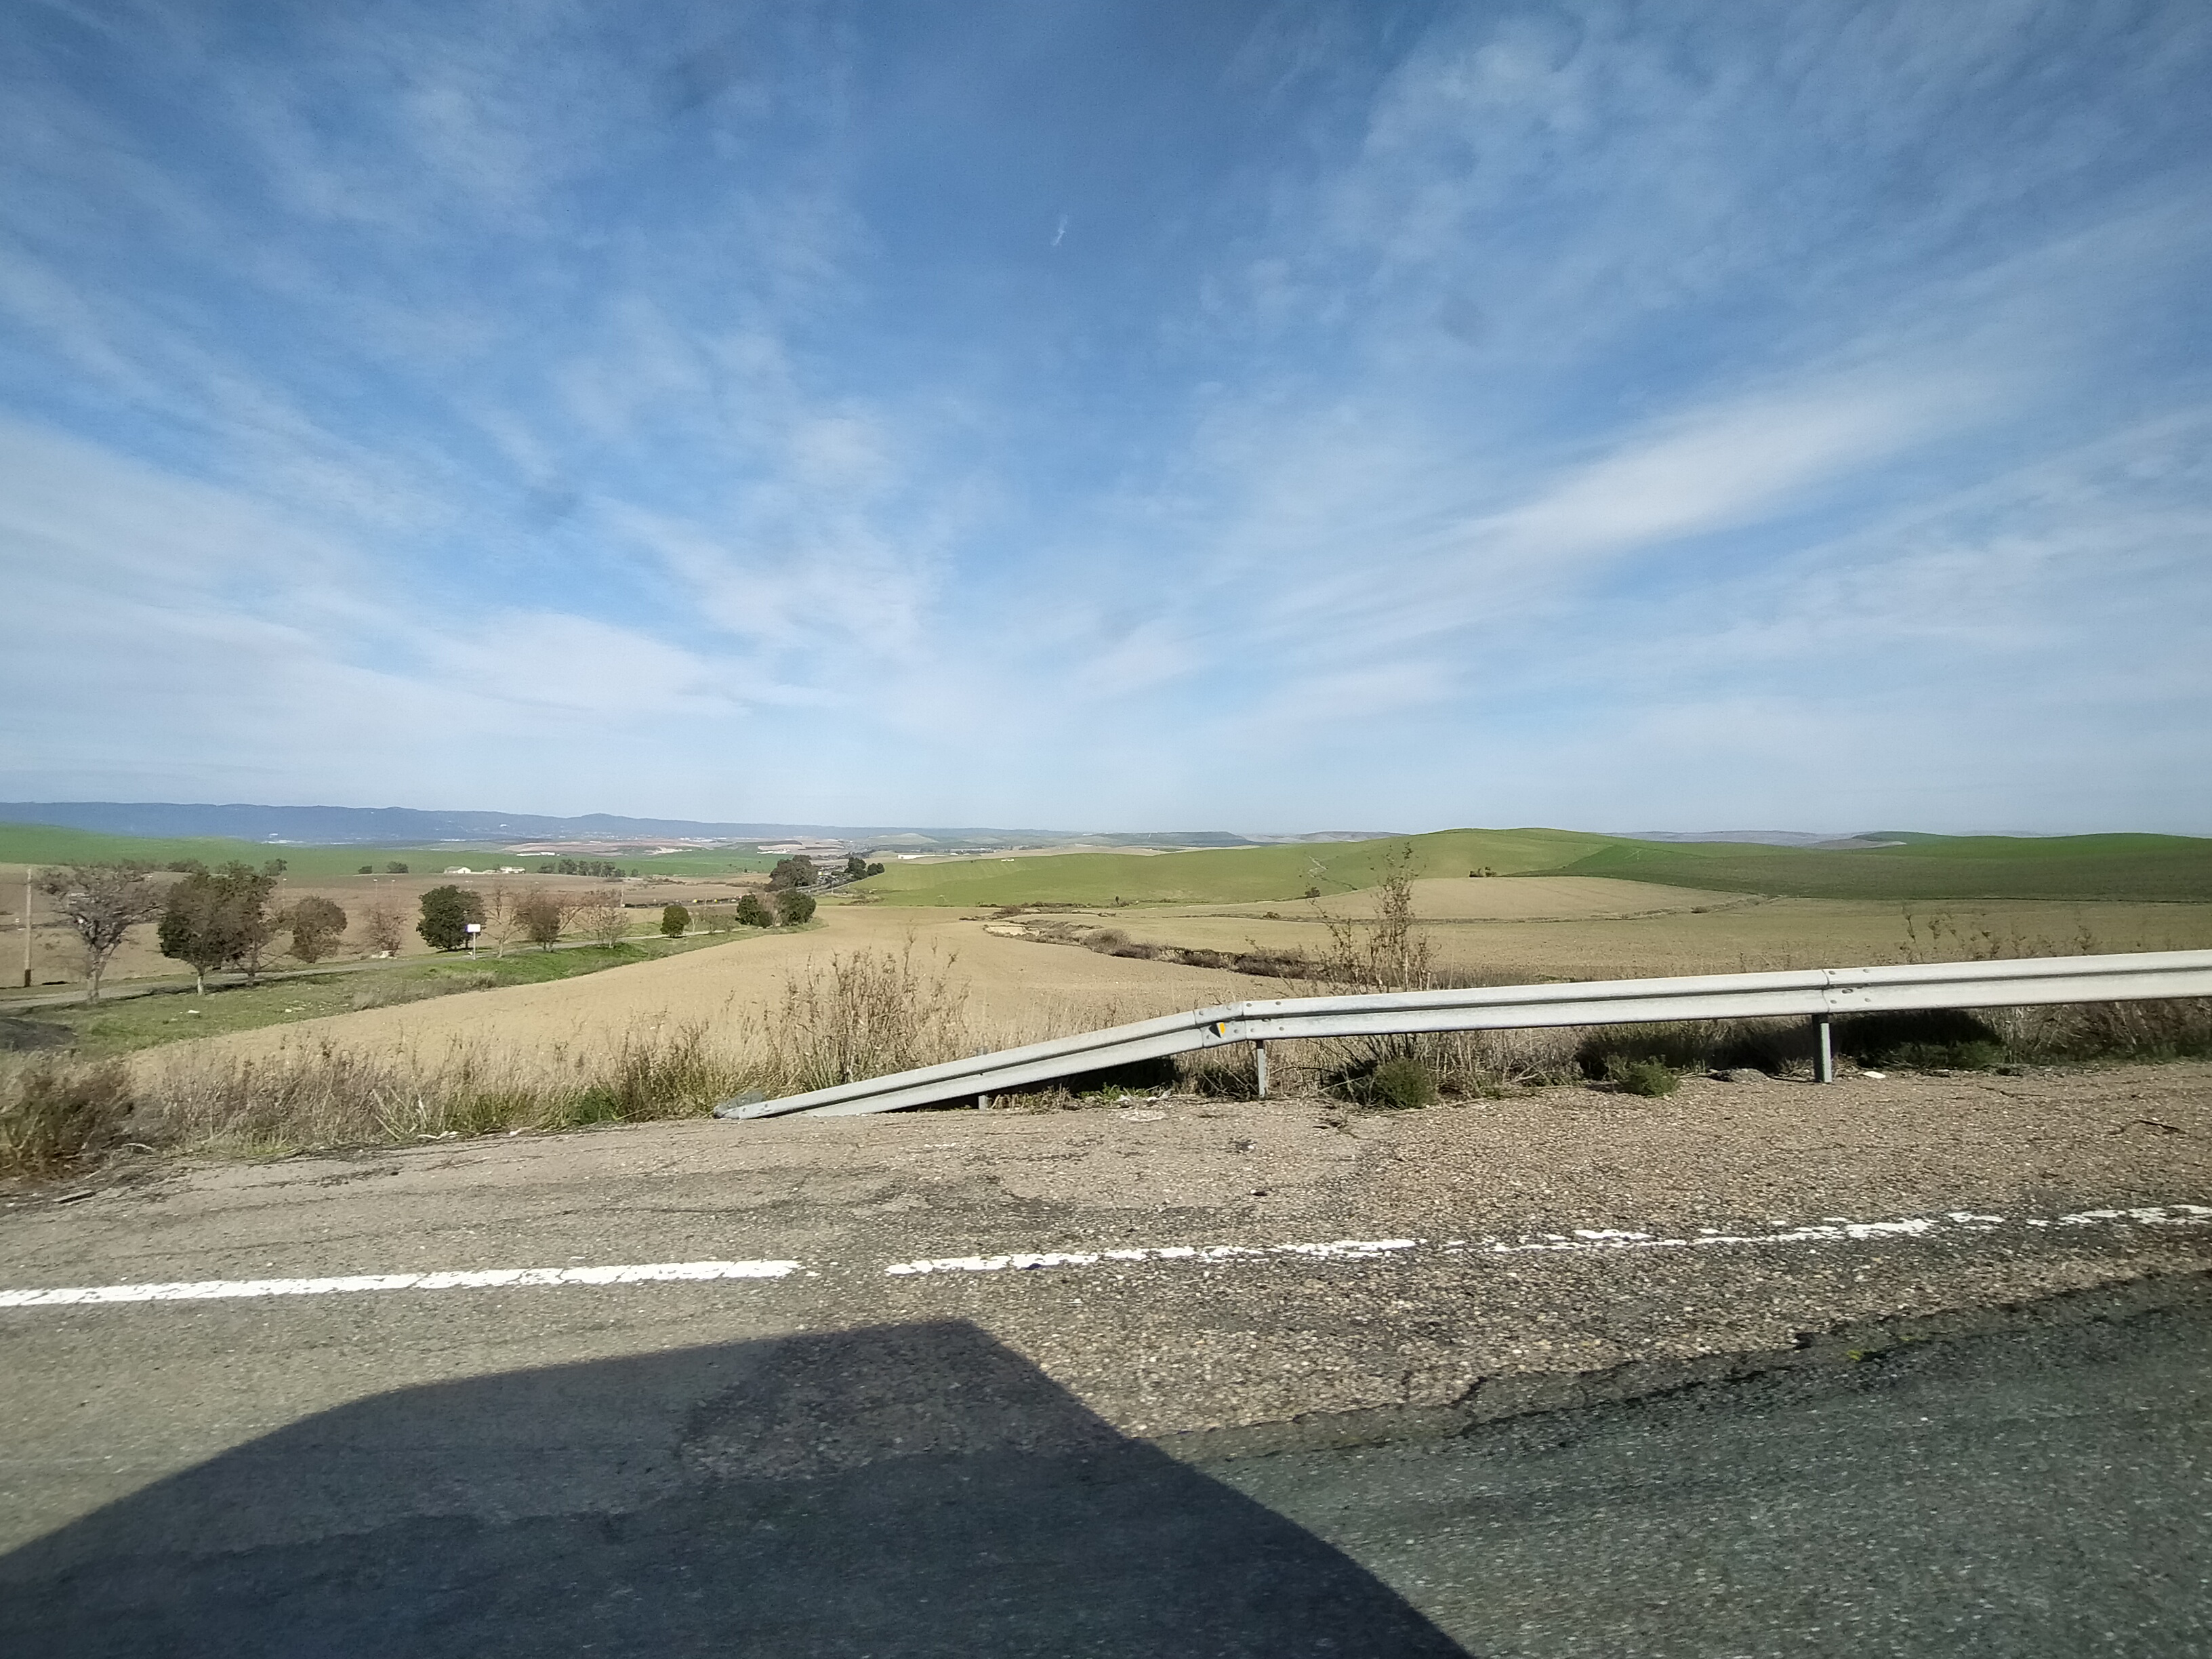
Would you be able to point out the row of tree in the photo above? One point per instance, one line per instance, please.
(209, 920)
(506, 914)
(226, 917)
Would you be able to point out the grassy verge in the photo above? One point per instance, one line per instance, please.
(103, 1029)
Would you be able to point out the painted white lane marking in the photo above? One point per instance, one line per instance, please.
(211, 1290)
(1341, 1249)
(1829, 1230)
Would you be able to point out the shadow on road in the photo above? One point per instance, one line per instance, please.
(910, 1489)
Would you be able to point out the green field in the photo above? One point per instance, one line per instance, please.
(39, 844)
(125, 1024)
(1232, 875)
(2160, 868)
(2174, 869)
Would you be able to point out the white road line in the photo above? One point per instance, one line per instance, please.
(1342, 1250)
(211, 1290)
(1829, 1230)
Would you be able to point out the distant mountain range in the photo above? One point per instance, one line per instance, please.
(408, 826)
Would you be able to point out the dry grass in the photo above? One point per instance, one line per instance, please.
(860, 1014)
(328, 1096)
(56, 1114)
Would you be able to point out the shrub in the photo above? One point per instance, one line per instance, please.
(674, 919)
(366, 869)
(1642, 1077)
(793, 907)
(1403, 1082)
(752, 913)
(395, 868)
(1928, 1039)
(54, 1114)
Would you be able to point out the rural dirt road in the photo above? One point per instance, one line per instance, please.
(290, 1373)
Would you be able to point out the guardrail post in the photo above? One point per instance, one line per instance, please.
(1824, 1064)
(1260, 1065)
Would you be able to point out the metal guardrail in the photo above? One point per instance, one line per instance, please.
(1824, 993)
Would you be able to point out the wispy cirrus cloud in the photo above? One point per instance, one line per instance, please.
(1577, 391)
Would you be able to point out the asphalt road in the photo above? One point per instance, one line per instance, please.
(2034, 1491)
(1905, 1371)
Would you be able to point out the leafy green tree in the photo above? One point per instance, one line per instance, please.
(368, 870)
(446, 913)
(103, 902)
(752, 913)
(395, 868)
(797, 871)
(674, 919)
(793, 907)
(317, 925)
(215, 918)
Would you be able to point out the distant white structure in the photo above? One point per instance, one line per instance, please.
(459, 870)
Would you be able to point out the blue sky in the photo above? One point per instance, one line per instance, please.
(1088, 416)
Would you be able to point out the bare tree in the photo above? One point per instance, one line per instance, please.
(502, 921)
(384, 926)
(103, 902)
(602, 917)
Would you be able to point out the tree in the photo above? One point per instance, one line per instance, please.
(603, 918)
(541, 916)
(674, 919)
(793, 907)
(213, 918)
(502, 917)
(395, 868)
(446, 913)
(752, 913)
(797, 871)
(859, 869)
(103, 902)
(383, 927)
(368, 869)
(316, 925)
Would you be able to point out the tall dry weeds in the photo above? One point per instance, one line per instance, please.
(56, 1114)
(327, 1096)
(861, 1015)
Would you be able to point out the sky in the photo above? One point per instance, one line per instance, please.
(1271, 417)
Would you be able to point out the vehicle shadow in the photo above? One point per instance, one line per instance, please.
(907, 1489)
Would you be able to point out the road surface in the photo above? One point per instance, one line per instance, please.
(1215, 1379)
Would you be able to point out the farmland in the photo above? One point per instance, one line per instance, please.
(2169, 869)
(39, 844)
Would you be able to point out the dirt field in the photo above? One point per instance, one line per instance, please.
(1539, 927)
(1020, 990)
(1017, 992)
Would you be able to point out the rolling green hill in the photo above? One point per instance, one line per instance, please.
(1232, 875)
(2169, 868)
(40, 844)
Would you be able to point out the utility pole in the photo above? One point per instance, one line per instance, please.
(27, 925)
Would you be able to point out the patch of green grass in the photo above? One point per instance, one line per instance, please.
(41, 843)
(122, 1027)
(1231, 875)
(2150, 868)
